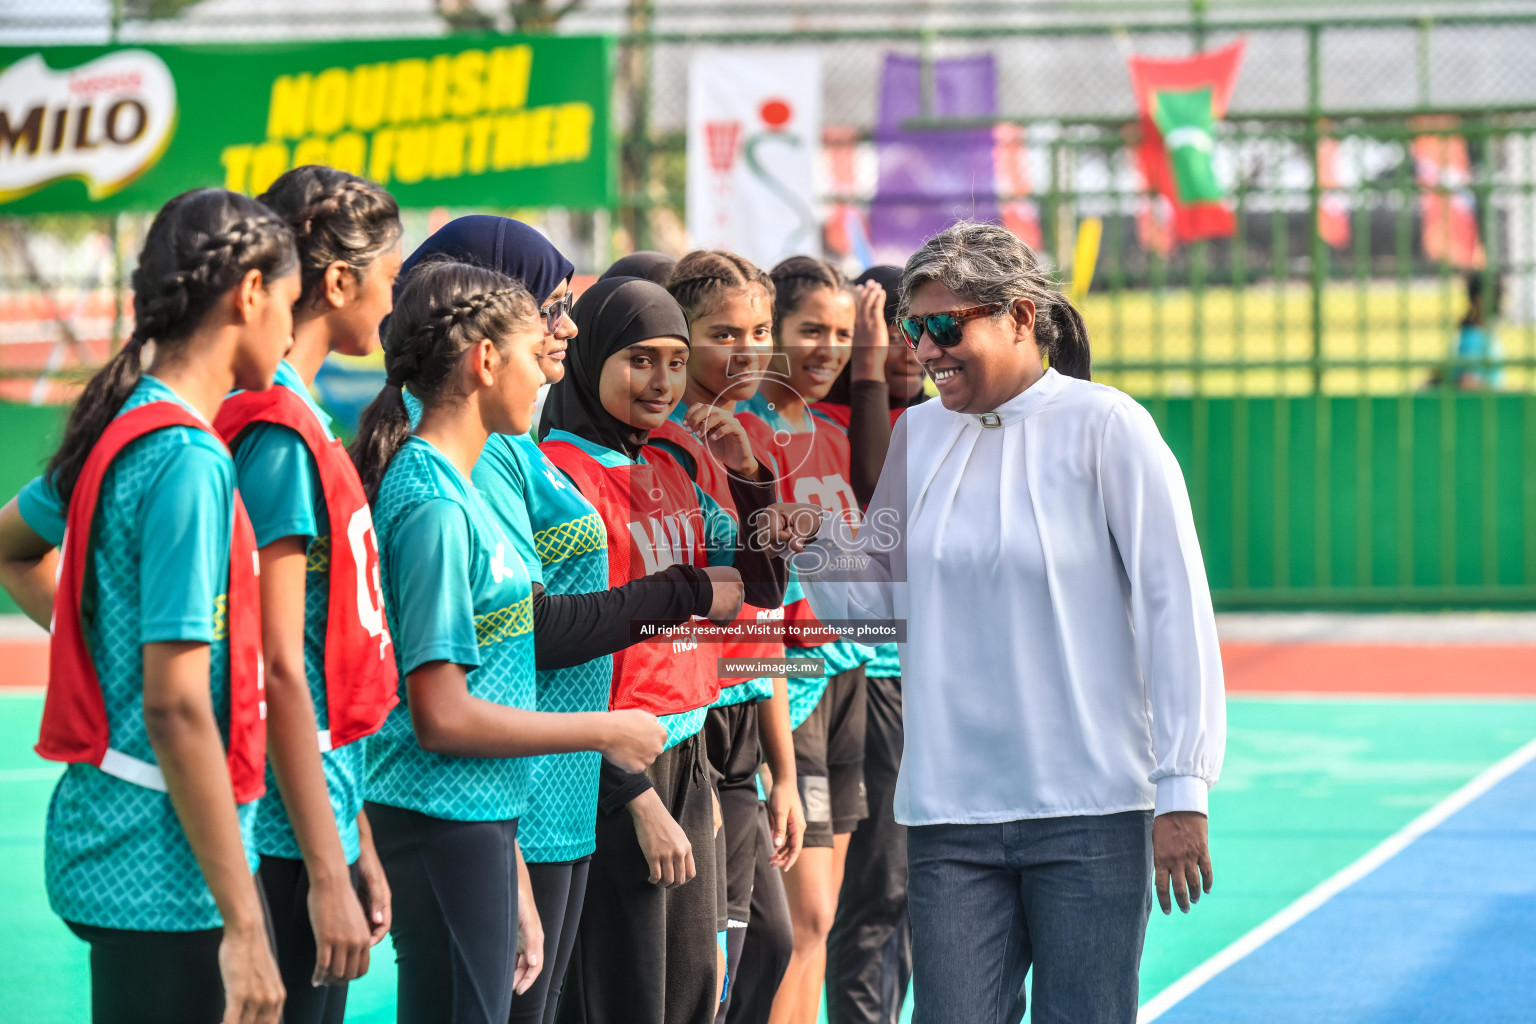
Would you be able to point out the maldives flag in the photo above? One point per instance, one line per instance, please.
(1180, 101)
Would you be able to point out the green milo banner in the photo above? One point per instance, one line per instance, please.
(460, 121)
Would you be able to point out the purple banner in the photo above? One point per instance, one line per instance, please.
(930, 179)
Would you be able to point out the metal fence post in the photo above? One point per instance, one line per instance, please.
(1319, 247)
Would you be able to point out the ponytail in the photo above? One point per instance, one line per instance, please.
(200, 245)
(1066, 343)
(444, 308)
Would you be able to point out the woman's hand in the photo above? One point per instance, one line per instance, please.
(725, 437)
(1181, 853)
(341, 931)
(636, 739)
(530, 932)
(786, 820)
(786, 527)
(871, 336)
(375, 895)
(729, 593)
(667, 851)
(253, 988)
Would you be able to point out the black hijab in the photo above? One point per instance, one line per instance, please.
(889, 278)
(497, 243)
(655, 267)
(613, 314)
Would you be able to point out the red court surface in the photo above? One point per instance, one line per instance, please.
(1273, 666)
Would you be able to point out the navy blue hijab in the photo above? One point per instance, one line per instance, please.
(498, 243)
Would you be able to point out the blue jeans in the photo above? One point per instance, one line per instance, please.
(1068, 896)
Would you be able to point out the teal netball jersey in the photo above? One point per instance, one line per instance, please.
(280, 486)
(561, 540)
(115, 854)
(454, 590)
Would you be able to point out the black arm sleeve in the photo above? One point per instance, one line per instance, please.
(869, 435)
(569, 629)
(617, 787)
(763, 578)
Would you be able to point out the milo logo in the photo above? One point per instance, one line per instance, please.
(104, 122)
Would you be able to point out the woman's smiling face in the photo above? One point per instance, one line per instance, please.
(817, 340)
(640, 384)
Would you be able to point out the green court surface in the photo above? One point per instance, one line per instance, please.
(1309, 786)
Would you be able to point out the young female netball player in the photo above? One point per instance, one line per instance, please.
(729, 304)
(647, 953)
(869, 950)
(155, 666)
(577, 621)
(330, 674)
(447, 774)
(813, 332)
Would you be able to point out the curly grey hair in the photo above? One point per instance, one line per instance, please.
(989, 265)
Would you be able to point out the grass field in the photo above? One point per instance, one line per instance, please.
(1314, 780)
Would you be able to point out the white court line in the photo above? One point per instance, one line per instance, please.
(22, 691)
(29, 774)
(1383, 852)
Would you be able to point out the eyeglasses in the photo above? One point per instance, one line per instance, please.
(556, 311)
(943, 328)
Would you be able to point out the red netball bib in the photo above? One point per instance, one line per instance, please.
(75, 727)
(361, 682)
(813, 469)
(653, 520)
(714, 479)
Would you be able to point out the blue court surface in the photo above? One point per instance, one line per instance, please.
(1444, 931)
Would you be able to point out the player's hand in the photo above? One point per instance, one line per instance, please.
(530, 934)
(786, 821)
(1181, 856)
(871, 336)
(375, 895)
(729, 593)
(253, 988)
(786, 527)
(341, 931)
(724, 436)
(636, 739)
(667, 851)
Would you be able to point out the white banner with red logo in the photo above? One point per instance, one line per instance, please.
(754, 139)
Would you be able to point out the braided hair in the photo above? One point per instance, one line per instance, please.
(200, 245)
(445, 308)
(702, 277)
(335, 216)
(797, 277)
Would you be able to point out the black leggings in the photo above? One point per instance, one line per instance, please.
(454, 886)
(154, 977)
(285, 883)
(869, 952)
(644, 954)
(558, 892)
(769, 940)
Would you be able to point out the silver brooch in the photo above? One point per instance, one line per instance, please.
(990, 419)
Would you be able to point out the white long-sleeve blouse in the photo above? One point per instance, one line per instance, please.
(1061, 654)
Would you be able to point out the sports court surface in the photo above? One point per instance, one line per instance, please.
(1374, 835)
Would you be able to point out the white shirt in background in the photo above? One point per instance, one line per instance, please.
(1061, 653)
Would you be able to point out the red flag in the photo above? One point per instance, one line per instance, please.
(1010, 163)
(1443, 168)
(1333, 210)
(1180, 100)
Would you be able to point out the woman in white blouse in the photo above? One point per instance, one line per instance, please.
(1064, 710)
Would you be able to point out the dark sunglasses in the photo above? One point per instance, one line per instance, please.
(555, 311)
(943, 328)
